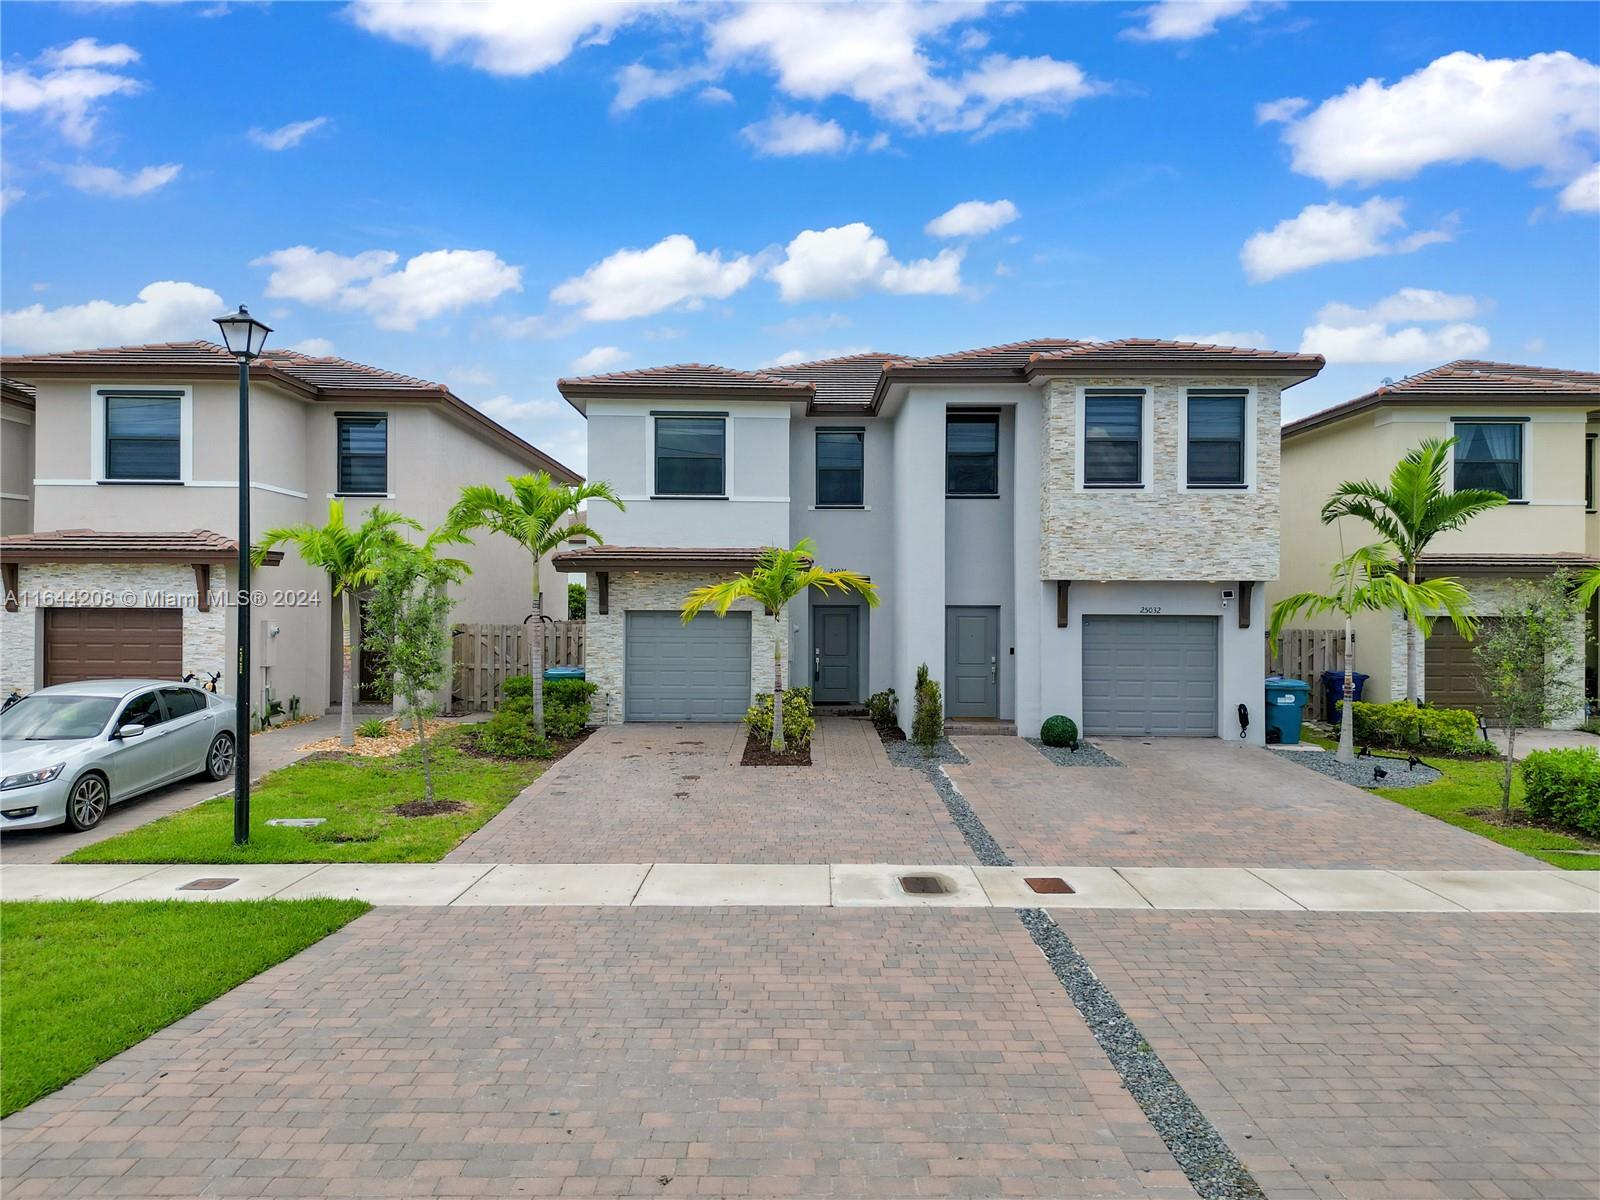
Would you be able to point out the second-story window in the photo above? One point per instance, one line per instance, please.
(1216, 439)
(364, 455)
(1488, 454)
(144, 433)
(1113, 454)
(1588, 472)
(972, 454)
(839, 469)
(690, 456)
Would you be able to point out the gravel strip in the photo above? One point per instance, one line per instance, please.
(1086, 755)
(909, 754)
(1360, 772)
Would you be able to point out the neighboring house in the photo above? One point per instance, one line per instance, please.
(130, 469)
(1054, 527)
(1526, 431)
(16, 456)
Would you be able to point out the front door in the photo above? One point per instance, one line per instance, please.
(972, 662)
(836, 654)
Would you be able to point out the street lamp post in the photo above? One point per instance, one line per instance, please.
(244, 336)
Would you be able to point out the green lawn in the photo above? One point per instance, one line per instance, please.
(84, 980)
(355, 795)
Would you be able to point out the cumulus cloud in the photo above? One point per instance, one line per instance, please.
(790, 357)
(601, 358)
(9, 196)
(638, 283)
(428, 285)
(1276, 112)
(972, 218)
(790, 134)
(1185, 20)
(1583, 193)
(66, 84)
(502, 37)
(286, 137)
(1343, 333)
(1333, 232)
(163, 311)
(317, 347)
(848, 259)
(108, 181)
(1252, 339)
(507, 410)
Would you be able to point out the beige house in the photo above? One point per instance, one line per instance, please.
(121, 502)
(1526, 431)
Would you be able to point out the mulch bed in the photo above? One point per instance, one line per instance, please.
(425, 808)
(890, 733)
(758, 753)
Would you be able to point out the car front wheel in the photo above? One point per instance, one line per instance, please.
(87, 803)
(219, 759)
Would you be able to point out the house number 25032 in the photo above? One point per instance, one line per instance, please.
(1149, 610)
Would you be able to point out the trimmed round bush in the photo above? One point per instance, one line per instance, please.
(1059, 731)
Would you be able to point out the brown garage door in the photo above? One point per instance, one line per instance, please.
(1450, 671)
(112, 643)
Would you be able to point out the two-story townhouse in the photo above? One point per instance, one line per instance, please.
(16, 456)
(129, 468)
(1528, 432)
(1054, 526)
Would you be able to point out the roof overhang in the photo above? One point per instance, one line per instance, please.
(1384, 397)
(1435, 565)
(1294, 370)
(90, 546)
(656, 558)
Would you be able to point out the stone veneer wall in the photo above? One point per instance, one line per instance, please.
(660, 591)
(1162, 532)
(205, 634)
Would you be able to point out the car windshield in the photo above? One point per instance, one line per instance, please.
(51, 718)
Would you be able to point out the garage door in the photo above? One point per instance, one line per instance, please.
(1450, 671)
(1146, 675)
(112, 643)
(694, 672)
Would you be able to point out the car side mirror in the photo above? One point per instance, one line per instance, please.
(131, 730)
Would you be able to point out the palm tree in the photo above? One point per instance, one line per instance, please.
(533, 516)
(779, 576)
(352, 557)
(1409, 513)
(1367, 581)
(1588, 587)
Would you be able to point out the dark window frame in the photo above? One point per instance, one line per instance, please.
(1242, 397)
(1521, 460)
(721, 422)
(860, 434)
(972, 416)
(1589, 440)
(108, 471)
(1139, 396)
(340, 454)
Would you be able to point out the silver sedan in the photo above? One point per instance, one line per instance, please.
(69, 752)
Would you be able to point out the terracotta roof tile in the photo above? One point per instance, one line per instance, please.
(1159, 350)
(606, 556)
(704, 376)
(80, 545)
(845, 384)
(1008, 354)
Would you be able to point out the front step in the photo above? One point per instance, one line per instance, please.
(979, 728)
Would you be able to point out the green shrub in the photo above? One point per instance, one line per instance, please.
(1405, 726)
(798, 722)
(1563, 787)
(566, 709)
(568, 692)
(1590, 725)
(565, 721)
(517, 687)
(884, 708)
(373, 727)
(510, 733)
(1059, 731)
(927, 725)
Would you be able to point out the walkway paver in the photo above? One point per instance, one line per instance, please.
(847, 744)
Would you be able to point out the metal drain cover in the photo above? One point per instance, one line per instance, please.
(926, 885)
(212, 883)
(297, 822)
(1049, 885)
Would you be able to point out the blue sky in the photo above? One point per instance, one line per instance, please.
(499, 194)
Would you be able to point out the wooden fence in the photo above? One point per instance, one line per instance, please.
(1305, 654)
(485, 656)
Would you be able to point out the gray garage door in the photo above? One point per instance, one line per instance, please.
(1146, 675)
(694, 672)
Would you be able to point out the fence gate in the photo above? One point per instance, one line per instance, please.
(1304, 654)
(485, 656)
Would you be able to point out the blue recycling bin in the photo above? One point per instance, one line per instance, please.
(1333, 692)
(562, 673)
(1286, 704)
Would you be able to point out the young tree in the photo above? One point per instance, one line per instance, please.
(351, 557)
(779, 576)
(577, 601)
(532, 514)
(1366, 581)
(1526, 661)
(1408, 513)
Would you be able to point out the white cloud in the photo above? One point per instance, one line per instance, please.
(503, 37)
(637, 83)
(1343, 333)
(638, 283)
(286, 137)
(1537, 112)
(790, 357)
(1583, 193)
(9, 196)
(716, 95)
(1185, 20)
(847, 259)
(789, 134)
(1333, 232)
(66, 85)
(506, 410)
(1276, 112)
(164, 311)
(427, 286)
(601, 358)
(1252, 339)
(317, 347)
(108, 181)
(972, 218)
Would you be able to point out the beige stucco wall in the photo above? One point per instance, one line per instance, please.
(16, 467)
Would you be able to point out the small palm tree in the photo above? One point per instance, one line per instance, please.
(1588, 587)
(1408, 513)
(1367, 581)
(779, 576)
(353, 558)
(532, 515)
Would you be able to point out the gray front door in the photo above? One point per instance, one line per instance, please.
(972, 662)
(1144, 675)
(694, 672)
(836, 654)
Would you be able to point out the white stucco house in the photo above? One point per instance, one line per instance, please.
(1054, 526)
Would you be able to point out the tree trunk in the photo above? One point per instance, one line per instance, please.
(1347, 712)
(347, 727)
(1411, 643)
(778, 744)
(1505, 783)
(419, 721)
(536, 653)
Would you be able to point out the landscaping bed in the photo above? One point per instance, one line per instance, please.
(84, 980)
(758, 752)
(1363, 773)
(392, 741)
(1086, 755)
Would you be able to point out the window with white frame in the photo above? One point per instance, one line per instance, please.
(1216, 434)
(144, 436)
(1113, 439)
(363, 454)
(1488, 454)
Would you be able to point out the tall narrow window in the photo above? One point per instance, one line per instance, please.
(972, 454)
(1216, 439)
(1113, 426)
(690, 453)
(1588, 471)
(839, 468)
(364, 455)
(1489, 455)
(143, 435)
